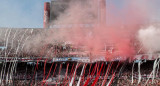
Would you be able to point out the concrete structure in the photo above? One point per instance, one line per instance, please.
(59, 7)
(46, 15)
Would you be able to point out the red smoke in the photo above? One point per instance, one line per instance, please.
(117, 26)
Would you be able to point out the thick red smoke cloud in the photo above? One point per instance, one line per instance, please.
(110, 24)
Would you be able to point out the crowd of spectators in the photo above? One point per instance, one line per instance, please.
(28, 75)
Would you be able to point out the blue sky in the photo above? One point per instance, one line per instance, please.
(21, 13)
(25, 13)
(29, 13)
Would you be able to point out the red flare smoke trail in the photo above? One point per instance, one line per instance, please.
(97, 76)
(107, 72)
(66, 75)
(59, 73)
(38, 62)
(71, 73)
(103, 71)
(49, 73)
(84, 73)
(90, 69)
(113, 74)
(111, 79)
(44, 72)
(97, 69)
(93, 71)
(36, 68)
(75, 72)
(54, 70)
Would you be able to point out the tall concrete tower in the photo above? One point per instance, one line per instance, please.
(58, 7)
(46, 18)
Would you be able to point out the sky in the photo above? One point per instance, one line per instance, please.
(21, 13)
(29, 13)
